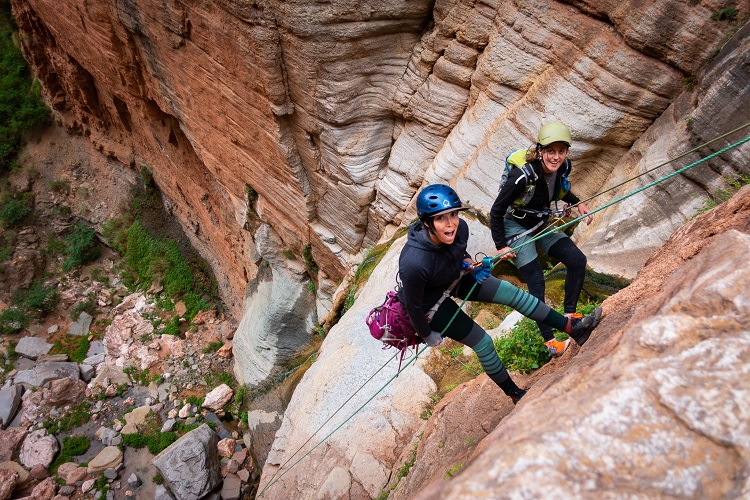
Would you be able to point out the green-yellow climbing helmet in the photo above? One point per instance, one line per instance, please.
(553, 132)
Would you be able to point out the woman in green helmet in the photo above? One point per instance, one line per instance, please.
(518, 213)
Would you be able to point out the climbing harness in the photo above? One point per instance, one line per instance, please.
(494, 259)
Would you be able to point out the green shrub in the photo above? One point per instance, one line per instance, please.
(213, 346)
(155, 443)
(716, 199)
(74, 346)
(172, 328)
(75, 417)
(13, 320)
(81, 247)
(21, 107)
(72, 446)
(523, 349)
(13, 212)
(38, 298)
(726, 14)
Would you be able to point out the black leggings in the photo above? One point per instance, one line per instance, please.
(453, 323)
(575, 261)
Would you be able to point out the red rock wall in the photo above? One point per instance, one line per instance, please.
(336, 112)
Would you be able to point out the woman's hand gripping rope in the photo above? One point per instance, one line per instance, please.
(481, 270)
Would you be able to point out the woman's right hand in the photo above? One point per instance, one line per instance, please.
(434, 339)
(506, 256)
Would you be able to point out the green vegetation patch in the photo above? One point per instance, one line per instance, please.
(72, 446)
(81, 247)
(155, 443)
(76, 417)
(36, 301)
(74, 346)
(149, 258)
(21, 106)
(14, 209)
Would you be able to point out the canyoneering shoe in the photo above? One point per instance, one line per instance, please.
(581, 328)
(516, 396)
(557, 347)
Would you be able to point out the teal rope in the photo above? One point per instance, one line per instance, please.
(665, 163)
(662, 179)
(345, 421)
(420, 351)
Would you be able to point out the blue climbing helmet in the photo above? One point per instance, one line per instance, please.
(436, 199)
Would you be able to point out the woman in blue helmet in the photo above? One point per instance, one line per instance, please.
(433, 258)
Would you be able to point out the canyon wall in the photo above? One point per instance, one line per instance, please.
(321, 120)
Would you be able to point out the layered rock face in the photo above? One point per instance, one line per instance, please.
(322, 120)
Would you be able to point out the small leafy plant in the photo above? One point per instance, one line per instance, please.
(523, 349)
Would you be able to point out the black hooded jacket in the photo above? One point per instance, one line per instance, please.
(426, 270)
(513, 189)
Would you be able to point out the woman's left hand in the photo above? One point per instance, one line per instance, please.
(583, 210)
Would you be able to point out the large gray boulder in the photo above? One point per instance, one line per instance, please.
(190, 466)
(41, 375)
(10, 398)
(33, 347)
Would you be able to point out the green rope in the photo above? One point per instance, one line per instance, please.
(342, 423)
(662, 179)
(420, 351)
(665, 163)
(328, 420)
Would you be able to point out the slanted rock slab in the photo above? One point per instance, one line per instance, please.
(134, 419)
(33, 347)
(66, 391)
(10, 398)
(81, 325)
(190, 465)
(109, 457)
(41, 375)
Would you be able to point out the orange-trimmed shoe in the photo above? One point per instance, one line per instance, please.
(557, 347)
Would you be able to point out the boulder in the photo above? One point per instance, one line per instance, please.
(38, 448)
(161, 493)
(8, 480)
(135, 419)
(71, 472)
(10, 399)
(41, 375)
(225, 447)
(109, 457)
(218, 398)
(66, 391)
(190, 465)
(33, 347)
(110, 375)
(231, 488)
(81, 326)
(45, 490)
(10, 440)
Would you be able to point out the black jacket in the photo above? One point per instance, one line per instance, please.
(512, 190)
(426, 270)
